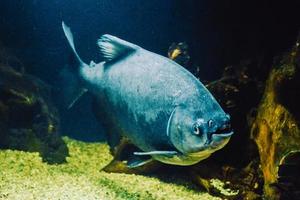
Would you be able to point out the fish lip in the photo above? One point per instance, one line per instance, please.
(217, 141)
(223, 135)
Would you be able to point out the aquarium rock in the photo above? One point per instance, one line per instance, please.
(28, 119)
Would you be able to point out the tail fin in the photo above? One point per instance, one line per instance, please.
(70, 39)
(72, 86)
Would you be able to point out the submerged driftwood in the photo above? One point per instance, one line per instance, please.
(28, 120)
(276, 129)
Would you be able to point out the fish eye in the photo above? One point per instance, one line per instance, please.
(196, 129)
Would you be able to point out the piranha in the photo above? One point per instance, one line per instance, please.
(165, 111)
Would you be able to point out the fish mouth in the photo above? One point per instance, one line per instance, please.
(223, 132)
(216, 141)
(219, 140)
(221, 137)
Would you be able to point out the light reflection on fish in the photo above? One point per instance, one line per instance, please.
(154, 102)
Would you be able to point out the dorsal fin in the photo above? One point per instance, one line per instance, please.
(70, 39)
(113, 48)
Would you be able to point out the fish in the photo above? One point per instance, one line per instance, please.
(162, 108)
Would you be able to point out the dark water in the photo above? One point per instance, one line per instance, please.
(218, 33)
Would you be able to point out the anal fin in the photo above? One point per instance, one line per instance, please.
(126, 162)
(138, 162)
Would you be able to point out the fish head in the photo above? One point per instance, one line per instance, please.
(195, 132)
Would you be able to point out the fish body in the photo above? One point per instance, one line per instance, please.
(154, 102)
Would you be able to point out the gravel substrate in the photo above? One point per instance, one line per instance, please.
(23, 176)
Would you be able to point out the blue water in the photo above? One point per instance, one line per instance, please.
(218, 33)
(36, 37)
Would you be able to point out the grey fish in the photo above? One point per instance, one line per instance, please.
(154, 102)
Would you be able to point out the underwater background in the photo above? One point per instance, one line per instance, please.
(217, 35)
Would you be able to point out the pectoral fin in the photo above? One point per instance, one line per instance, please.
(151, 153)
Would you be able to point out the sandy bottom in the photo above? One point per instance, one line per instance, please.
(23, 176)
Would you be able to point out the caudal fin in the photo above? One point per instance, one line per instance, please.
(70, 39)
(72, 86)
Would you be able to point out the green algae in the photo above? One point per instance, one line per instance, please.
(23, 175)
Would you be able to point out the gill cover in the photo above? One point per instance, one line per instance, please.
(180, 132)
